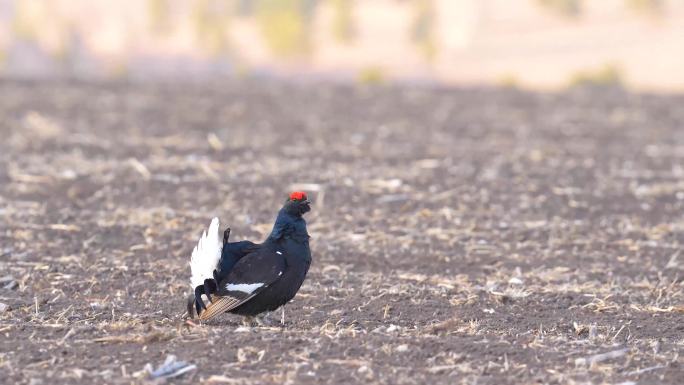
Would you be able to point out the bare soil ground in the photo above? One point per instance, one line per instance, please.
(460, 236)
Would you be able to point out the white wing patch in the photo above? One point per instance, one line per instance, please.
(206, 255)
(247, 288)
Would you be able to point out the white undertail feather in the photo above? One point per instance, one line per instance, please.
(206, 255)
(244, 287)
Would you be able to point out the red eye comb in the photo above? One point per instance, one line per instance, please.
(298, 196)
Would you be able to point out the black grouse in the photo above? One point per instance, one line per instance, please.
(247, 278)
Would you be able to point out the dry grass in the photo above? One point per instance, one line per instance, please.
(464, 236)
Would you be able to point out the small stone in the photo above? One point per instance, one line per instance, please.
(3, 307)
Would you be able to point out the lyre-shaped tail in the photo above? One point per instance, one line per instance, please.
(206, 255)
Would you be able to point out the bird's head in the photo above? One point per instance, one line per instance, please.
(297, 203)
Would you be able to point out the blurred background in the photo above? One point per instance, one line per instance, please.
(542, 44)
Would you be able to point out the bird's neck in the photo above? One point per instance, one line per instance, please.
(285, 216)
(288, 225)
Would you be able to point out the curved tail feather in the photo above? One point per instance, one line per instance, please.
(206, 255)
(222, 305)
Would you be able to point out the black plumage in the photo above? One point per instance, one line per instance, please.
(254, 278)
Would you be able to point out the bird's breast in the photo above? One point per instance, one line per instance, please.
(295, 251)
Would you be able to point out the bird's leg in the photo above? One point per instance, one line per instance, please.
(261, 321)
(282, 315)
(266, 319)
(258, 320)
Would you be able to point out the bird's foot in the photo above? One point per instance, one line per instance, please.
(260, 321)
(248, 321)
